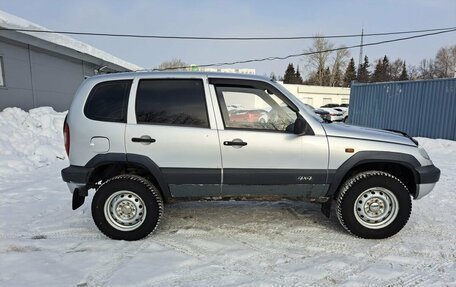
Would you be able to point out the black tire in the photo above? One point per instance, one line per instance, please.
(143, 192)
(358, 194)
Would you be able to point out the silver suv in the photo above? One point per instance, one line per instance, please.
(142, 139)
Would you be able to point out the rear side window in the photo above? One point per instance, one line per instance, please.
(179, 102)
(108, 101)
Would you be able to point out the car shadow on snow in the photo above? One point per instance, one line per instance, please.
(247, 216)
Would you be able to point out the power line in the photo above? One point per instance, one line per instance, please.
(224, 38)
(311, 53)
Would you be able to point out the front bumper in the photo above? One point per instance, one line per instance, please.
(428, 177)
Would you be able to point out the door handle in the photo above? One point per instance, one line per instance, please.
(144, 140)
(235, 143)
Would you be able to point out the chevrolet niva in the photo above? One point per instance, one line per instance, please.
(142, 139)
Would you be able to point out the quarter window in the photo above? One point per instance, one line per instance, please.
(179, 102)
(108, 101)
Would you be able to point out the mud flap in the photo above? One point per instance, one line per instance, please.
(78, 199)
(326, 208)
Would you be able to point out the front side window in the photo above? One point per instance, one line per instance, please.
(180, 102)
(108, 101)
(254, 108)
(2, 76)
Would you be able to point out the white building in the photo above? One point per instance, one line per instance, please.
(318, 96)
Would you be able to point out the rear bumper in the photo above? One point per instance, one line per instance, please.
(76, 174)
(77, 178)
(428, 177)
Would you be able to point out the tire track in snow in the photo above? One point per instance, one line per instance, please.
(103, 271)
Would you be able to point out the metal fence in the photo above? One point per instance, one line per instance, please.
(420, 108)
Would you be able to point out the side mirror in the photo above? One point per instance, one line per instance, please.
(301, 127)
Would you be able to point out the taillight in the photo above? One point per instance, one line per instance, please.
(66, 137)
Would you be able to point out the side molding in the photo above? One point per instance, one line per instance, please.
(153, 168)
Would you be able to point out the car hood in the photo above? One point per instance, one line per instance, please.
(357, 132)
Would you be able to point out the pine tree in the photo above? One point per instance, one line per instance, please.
(290, 74)
(382, 72)
(386, 75)
(273, 77)
(298, 78)
(350, 73)
(377, 76)
(363, 71)
(404, 75)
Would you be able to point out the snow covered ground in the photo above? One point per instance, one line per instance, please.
(44, 243)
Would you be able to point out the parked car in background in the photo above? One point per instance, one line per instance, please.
(330, 106)
(234, 107)
(344, 111)
(325, 115)
(335, 115)
(247, 115)
(335, 110)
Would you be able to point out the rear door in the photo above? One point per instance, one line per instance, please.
(260, 153)
(170, 124)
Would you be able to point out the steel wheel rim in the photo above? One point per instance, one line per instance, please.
(376, 208)
(125, 210)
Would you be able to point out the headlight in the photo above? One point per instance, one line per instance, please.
(423, 153)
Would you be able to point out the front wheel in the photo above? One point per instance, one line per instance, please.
(373, 205)
(127, 207)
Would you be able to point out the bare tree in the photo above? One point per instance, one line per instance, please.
(413, 72)
(338, 67)
(445, 62)
(325, 67)
(174, 64)
(395, 69)
(318, 60)
(426, 69)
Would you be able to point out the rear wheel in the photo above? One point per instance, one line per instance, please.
(127, 207)
(374, 205)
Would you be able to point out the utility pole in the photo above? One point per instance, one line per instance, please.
(360, 60)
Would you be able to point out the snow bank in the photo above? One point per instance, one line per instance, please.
(29, 140)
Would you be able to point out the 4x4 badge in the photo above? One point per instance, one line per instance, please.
(304, 178)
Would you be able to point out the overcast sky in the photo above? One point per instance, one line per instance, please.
(241, 18)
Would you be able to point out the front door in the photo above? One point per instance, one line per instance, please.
(260, 153)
